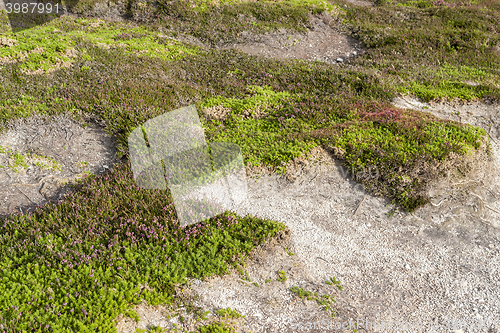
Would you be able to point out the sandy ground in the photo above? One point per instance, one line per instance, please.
(322, 42)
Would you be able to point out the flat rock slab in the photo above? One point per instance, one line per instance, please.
(56, 152)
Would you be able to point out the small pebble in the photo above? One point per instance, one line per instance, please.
(340, 59)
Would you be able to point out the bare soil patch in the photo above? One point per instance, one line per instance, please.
(61, 150)
(323, 41)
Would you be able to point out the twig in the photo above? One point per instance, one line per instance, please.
(41, 181)
(496, 211)
(25, 196)
(356, 211)
(437, 205)
(313, 177)
(492, 193)
(323, 259)
(485, 204)
(246, 281)
(494, 140)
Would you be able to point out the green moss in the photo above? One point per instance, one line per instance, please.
(216, 328)
(448, 89)
(228, 313)
(45, 47)
(262, 97)
(23, 107)
(19, 160)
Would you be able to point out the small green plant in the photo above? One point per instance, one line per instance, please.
(302, 293)
(244, 274)
(228, 313)
(334, 282)
(268, 280)
(153, 329)
(202, 315)
(40, 161)
(289, 253)
(216, 328)
(282, 276)
(81, 164)
(325, 301)
(19, 160)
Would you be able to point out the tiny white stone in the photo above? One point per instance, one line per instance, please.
(340, 59)
(407, 266)
(354, 52)
(310, 45)
(105, 166)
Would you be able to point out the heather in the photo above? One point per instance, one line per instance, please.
(44, 47)
(77, 264)
(440, 50)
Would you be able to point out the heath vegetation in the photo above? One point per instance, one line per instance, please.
(77, 264)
